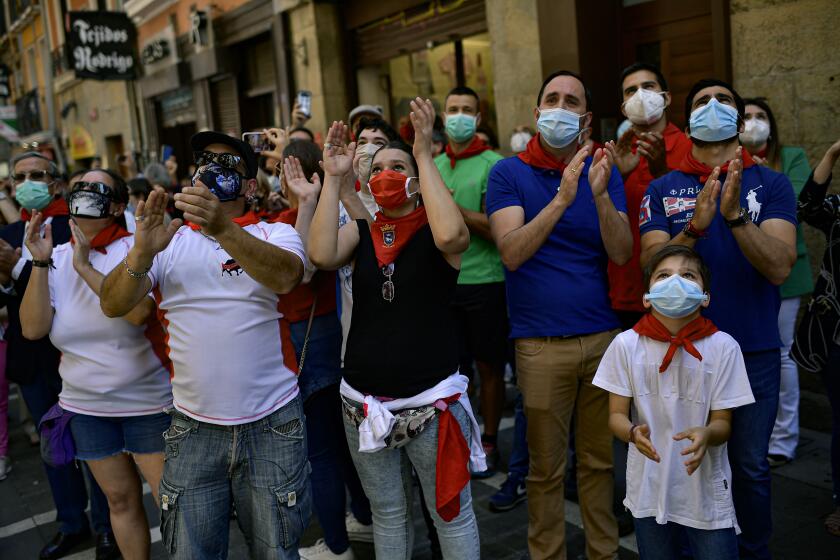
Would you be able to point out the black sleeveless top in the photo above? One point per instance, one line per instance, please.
(403, 347)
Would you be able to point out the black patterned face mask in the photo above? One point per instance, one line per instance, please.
(89, 204)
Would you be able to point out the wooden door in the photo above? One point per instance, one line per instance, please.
(688, 40)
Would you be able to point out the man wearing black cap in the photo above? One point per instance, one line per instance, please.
(237, 432)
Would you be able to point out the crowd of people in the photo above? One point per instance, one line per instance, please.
(288, 329)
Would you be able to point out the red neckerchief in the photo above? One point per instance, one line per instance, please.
(58, 207)
(651, 327)
(693, 167)
(390, 235)
(453, 456)
(476, 147)
(246, 219)
(762, 153)
(106, 237)
(536, 156)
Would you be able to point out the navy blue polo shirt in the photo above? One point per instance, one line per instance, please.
(562, 289)
(744, 303)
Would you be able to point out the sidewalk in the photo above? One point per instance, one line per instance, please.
(801, 499)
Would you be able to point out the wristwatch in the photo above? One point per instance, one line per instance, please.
(742, 220)
(695, 233)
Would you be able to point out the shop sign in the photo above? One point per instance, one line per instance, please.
(102, 45)
(159, 51)
(81, 143)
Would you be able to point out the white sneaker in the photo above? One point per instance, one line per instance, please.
(5, 467)
(320, 551)
(356, 531)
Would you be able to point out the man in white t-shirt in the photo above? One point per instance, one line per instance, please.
(237, 434)
(682, 377)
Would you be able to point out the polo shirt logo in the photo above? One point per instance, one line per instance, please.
(753, 205)
(677, 205)
(644, 210)
(230, 266)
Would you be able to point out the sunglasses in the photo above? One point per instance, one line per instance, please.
(33, 175)
(96, 187)
(225, 160)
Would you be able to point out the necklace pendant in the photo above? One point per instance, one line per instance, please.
(388, 291)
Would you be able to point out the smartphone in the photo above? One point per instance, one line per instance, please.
(257, 141)
(304, 101)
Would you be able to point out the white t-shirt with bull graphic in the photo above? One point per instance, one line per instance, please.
(223, 328)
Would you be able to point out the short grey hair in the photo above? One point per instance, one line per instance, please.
(53, 168)
(157, 174)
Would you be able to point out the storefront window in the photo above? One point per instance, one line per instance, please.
(433, 72)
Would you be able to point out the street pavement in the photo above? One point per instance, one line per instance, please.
(801, 499)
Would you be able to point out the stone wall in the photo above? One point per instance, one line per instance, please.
(517, 67)
(317, 62)
(787, 51)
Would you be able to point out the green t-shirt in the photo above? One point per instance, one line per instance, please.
(795, 166)
(481, 263)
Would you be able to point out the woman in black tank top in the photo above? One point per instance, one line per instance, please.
(402, 340)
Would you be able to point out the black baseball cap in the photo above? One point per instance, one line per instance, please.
(201, 140)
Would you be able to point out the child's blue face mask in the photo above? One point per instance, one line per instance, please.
(676, 297)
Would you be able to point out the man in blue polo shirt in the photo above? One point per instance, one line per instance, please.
(745, 230)
(557, 214)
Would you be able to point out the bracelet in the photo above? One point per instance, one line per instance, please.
(632, 438)
(43, 264)
(134, 273)
(693, 232)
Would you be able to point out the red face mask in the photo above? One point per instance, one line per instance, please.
(390, 189)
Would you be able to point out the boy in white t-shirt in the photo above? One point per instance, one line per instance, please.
(673, 380)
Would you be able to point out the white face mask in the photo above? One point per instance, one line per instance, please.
(519, 141)
(645, 106)
(756, 132)
(366, 161)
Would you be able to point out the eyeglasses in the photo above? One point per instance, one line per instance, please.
(225, 160)
(96, 187)
(388, 285)
(36, 175)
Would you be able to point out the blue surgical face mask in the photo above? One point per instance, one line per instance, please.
(559, 127)
(714, 122)
(676, 297)
(460, 127)
(33, 195)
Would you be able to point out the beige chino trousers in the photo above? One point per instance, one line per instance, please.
(555, 377)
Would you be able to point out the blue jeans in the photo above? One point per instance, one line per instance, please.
(831, 378)
(664, 542)
(98, 437)
(67, 483)
(752, 426)
(322, 366)
(260, 468)
(332, 466)
(519, 458)
(386, 475)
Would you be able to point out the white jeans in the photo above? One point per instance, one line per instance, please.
(786, 430)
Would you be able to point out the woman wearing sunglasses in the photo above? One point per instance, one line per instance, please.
(404, 403)
(115, 378)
